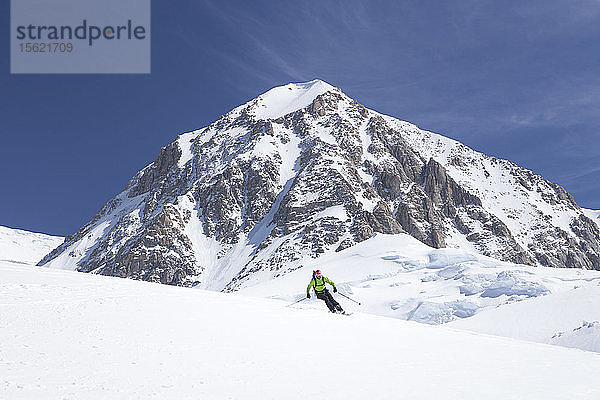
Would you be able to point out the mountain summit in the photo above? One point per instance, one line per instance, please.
(282, 100)
(304, 170)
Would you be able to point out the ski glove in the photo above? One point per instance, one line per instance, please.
(334, 289)
(308, 295)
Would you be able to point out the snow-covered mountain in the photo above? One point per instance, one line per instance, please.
(75, 336)
(19, 246)
(410, 223)
(303, 171)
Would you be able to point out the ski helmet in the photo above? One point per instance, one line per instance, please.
(318, 273)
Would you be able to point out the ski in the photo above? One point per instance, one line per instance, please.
(341, 313)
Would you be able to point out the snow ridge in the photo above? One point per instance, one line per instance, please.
(283, 100)
(19, 246)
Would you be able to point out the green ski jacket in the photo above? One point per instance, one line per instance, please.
(319, 284)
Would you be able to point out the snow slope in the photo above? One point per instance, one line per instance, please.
(20, 246)
(79, 336)
(398, 276)
(569, 319)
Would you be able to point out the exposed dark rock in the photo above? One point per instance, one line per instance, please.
(152, 177)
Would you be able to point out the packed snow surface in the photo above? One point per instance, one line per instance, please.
(20, 246)
(67, 335)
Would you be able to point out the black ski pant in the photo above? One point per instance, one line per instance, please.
(329, 300)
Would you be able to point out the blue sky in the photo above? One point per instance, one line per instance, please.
(513, 79)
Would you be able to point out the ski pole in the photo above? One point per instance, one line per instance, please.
(297, 301)
(349, 298)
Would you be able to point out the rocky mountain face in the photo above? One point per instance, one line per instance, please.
(303, 170)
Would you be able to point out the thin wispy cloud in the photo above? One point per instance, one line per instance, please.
(516, 80)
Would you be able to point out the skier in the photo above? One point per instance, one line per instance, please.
(318, 282)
